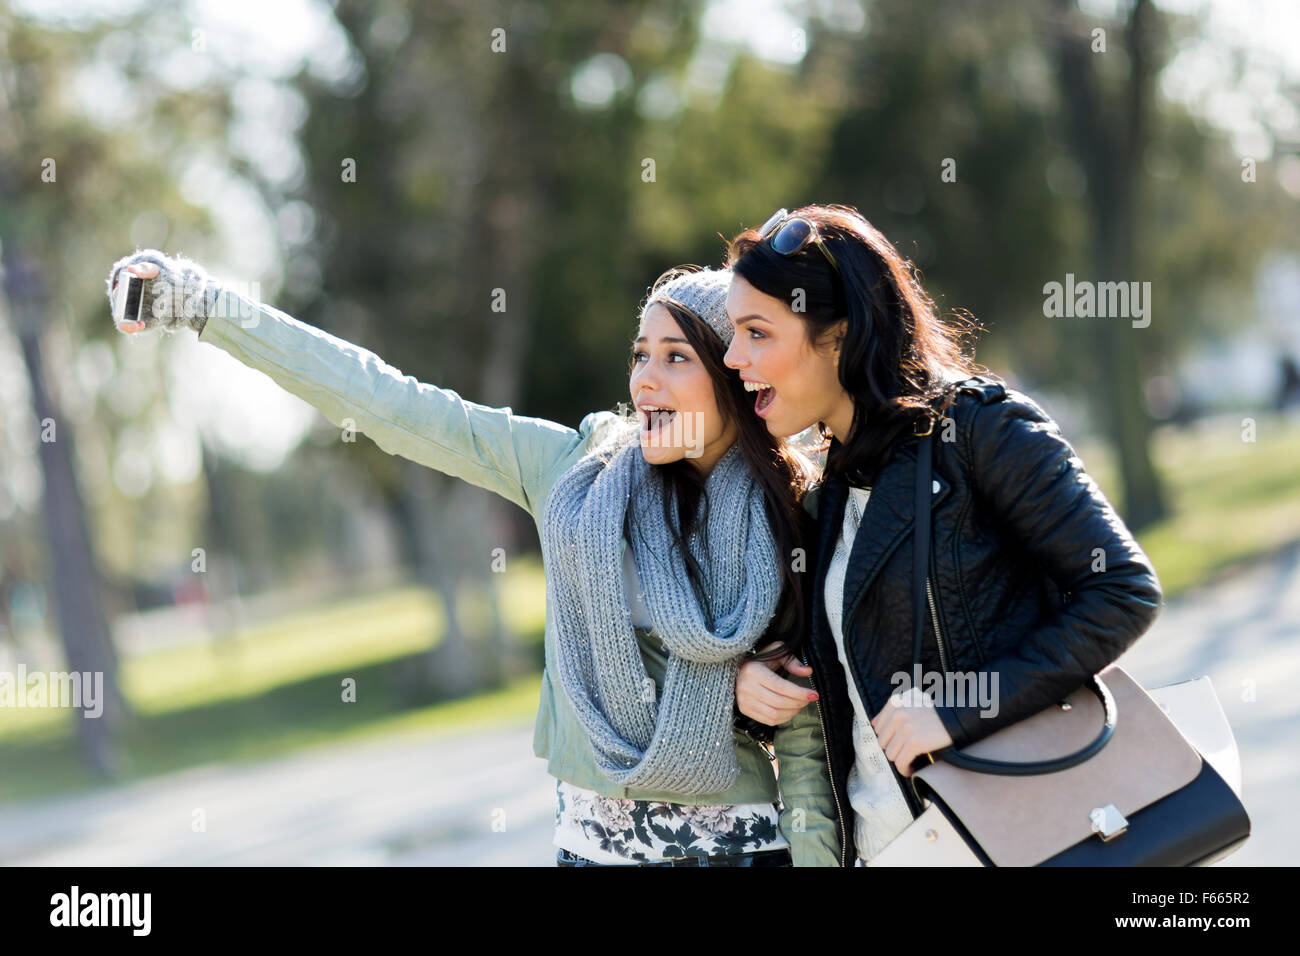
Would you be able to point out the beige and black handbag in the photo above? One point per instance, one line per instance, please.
(1160, 785)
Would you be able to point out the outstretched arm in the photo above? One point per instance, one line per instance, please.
(512, 455)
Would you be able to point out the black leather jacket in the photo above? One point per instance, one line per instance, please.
(1035, 578)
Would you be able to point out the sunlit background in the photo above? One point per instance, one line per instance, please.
(1168, 152)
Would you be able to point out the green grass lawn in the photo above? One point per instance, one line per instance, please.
(285, 720)
(275, 688)
(1231, 500)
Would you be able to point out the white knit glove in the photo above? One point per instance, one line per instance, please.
(177, 292)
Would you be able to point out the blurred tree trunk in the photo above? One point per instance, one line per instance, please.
(73, 575)
(1110, 152)
(504, 257)
(225, 574)
(451, 667)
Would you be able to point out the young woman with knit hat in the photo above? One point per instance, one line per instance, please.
(671, 546)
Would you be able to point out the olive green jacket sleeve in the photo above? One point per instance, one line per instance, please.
(512, 455)
(807, 818)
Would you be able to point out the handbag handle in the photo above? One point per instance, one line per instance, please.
(920, 564)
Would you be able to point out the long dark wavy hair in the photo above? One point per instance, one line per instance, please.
(781, 470)
(898, 360)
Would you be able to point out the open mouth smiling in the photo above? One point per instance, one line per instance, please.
(655, 416)
(765, 394)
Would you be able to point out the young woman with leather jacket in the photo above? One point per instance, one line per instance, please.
(1035, 583)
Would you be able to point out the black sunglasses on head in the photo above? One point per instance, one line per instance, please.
(788, 234)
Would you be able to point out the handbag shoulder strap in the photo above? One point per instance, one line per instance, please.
(921, 542)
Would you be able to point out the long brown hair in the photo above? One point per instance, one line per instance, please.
(898, 361)
(782, 471)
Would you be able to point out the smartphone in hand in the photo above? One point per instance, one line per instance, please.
(127, 299)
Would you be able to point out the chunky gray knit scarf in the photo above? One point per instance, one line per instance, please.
(684, 745)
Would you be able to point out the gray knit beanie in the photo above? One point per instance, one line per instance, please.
(703, 292)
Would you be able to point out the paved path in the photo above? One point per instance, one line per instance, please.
(1244, 631)
(410, 800)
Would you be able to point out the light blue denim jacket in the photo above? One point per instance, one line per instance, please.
(520, 459)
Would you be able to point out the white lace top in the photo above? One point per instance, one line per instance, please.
(880, 811)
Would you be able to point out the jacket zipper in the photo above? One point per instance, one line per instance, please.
(761, 744)
(938, 634)
(830, 774)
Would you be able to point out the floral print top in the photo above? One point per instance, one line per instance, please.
(615, 830)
